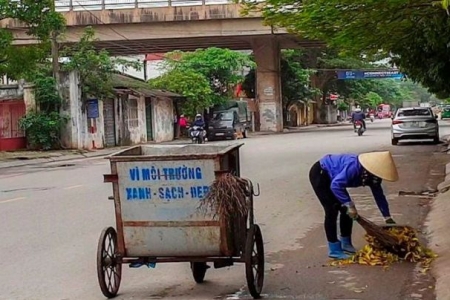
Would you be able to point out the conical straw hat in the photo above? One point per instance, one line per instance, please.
(380, 164)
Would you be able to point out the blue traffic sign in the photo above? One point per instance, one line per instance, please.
(347, 75)
(92, 109)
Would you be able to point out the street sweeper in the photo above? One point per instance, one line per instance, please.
(332, 175)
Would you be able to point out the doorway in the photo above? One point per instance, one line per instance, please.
(148, 118)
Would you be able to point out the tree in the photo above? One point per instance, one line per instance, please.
(41, 20)
(325, 62)
(194, 86)
(372, 99)
(205, 77)
(95, 67)
(221, 67)
(43, 125)
(412, 33)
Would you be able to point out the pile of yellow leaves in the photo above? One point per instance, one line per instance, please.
(408, 249)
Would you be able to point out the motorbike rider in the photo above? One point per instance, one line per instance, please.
(199, 122)
(332, 175)
(358, 115)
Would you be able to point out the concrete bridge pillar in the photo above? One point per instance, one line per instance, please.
(268, 83)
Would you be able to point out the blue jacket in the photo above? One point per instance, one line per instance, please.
(345, 172)
(199, 123)
(358, 116)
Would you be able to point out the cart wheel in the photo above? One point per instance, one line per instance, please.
(109, 269)
(254, 261)
(199, 271)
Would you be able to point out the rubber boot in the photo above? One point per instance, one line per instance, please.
(346, 244)
(336, 252)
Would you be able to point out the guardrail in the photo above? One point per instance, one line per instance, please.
(80, 5)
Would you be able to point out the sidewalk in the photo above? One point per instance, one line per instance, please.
(438, 224)
(22, 158)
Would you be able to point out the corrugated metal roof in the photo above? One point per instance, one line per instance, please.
(122, 82)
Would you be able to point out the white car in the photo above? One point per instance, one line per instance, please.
(414, 123)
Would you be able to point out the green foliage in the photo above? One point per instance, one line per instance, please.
(342, 106)
(194, 86)
(294, 79)
(413, 33)
(205, 77)
(42, 129)
(373, 99)
(222, 68)
(94, 67)
(40, 20)
(43, 126)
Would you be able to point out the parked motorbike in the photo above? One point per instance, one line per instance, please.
(359, 128)
(372, 117)
(197, 135)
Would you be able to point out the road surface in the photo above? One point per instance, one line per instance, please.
(52, 215)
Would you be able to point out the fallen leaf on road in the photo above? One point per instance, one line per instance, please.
(332, 282)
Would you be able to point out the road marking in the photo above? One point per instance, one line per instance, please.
(73, 187)
(12, 200)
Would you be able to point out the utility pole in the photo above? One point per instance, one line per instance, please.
(55, 55)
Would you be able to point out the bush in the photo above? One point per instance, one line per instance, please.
(42, 129)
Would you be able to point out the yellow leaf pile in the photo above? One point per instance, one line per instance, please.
(408, 249)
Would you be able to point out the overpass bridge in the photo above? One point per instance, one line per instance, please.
(128, 27)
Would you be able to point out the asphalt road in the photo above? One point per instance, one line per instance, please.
(52, 216)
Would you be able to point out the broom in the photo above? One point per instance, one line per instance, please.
(227, 197)
(383, 236)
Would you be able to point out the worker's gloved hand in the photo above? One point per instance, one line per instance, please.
(351, 211)
(389, 220)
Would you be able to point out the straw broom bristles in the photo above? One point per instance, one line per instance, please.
(384, 237)
(227, 197)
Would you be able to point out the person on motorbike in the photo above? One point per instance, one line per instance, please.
(199, 122)
(332, 175)
(358, 115)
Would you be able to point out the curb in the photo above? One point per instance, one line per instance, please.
(15, 164)
(438, 223)
(89, 154)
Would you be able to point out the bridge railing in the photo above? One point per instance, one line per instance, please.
(80, 5)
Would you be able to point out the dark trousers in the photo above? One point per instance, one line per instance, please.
(321, 184)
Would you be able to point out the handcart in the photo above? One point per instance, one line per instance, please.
(157, 190)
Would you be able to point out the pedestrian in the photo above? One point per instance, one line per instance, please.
(183, 125)
(332, 175)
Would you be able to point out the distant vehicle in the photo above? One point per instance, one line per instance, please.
(359, 127)
(414, 123)
(445, 113)
(197, 135)
(410, 103)
(228, 120)
(384, 110)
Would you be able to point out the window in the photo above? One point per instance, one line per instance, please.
(133, 116)
(414, 112)
(223, 116)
